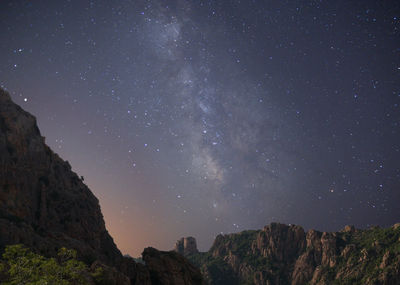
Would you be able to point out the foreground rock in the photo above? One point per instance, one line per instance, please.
(45, 205)
(281, 254)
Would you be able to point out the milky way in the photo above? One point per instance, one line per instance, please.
(202, 117)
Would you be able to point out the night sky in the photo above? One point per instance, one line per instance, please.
(201, 117)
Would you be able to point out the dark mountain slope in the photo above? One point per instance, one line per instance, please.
(44, 205)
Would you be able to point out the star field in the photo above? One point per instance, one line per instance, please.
(201, 117)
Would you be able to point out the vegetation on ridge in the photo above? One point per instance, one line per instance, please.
(352, 256)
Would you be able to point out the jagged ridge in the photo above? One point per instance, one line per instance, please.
(281, 254)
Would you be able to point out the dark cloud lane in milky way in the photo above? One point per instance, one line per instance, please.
(201, 117)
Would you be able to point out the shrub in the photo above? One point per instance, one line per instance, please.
(21, 266)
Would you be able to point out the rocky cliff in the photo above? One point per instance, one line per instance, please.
(45, 205)
(186, 246)
(282, 254)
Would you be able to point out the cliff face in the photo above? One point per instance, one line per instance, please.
(45, 206)
(281, 254)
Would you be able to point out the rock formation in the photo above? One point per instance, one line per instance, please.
(170, 268)
(281, 254)
(45, 205)
(186, 246)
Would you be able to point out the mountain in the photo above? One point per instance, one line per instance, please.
(45, 206)
(286, 254)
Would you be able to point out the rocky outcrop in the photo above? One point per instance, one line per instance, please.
(45, 205)
(170, 268)
(281, 254)
(186, 246)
